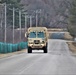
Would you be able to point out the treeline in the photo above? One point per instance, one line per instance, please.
(72, 19)
(55, 13)
(10, 4)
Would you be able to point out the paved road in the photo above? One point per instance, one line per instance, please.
(58, 61)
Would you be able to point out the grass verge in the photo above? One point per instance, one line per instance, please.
(72, 46)
(67, 36)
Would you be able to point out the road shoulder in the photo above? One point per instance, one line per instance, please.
(72, 47)
(11, 54)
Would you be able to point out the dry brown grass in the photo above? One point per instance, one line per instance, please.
(54, 30)
(72, 46)
(67, 36)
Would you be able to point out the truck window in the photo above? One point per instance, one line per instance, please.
(40, 35)
(32, 35)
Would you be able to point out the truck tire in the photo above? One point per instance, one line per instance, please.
(45, 49)
(29, 50)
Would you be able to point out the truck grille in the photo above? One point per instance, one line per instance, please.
(36, 41)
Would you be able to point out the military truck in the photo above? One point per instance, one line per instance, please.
(37, 39)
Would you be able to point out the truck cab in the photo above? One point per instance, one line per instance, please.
(37, 39)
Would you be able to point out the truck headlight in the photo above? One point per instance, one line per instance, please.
(30, 42)
(43, 42)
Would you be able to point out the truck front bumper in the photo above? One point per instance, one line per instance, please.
(36, 46)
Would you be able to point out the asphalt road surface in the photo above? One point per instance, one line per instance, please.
(58, 61)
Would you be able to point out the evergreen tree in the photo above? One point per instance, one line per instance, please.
(72, 19)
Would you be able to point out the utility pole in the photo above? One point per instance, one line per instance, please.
(5, 22)
(20, 23)
(13, 22)
(37, 11)
(25, 22)
(1, 16)
(30, 21)
(36, 18)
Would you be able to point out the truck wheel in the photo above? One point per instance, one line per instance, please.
(29, 50)
(45, 49)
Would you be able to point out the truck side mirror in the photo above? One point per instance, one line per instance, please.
(25, 35)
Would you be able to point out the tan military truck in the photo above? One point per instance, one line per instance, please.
(37, 39)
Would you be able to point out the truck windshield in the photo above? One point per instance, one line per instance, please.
(32, 35)
(36, 34)
(40, 35)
